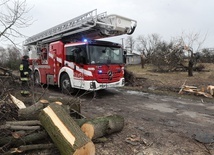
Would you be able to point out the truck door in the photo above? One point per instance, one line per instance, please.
(79, 59)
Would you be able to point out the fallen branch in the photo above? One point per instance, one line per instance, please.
(23, 140)
(24, 148)
(30, 122)
(182, 87)
(32, 112)
(194, 90)
(18, 127)
(17, 102)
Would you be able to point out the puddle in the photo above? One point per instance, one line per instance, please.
(180, 101)
(162, 107)
(137, 93)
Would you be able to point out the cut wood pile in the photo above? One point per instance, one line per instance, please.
(129, 78)
(50, 127)
(203, 91)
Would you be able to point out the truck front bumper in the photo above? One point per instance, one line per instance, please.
(94, 85)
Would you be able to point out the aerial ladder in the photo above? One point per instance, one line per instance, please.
(89, 25)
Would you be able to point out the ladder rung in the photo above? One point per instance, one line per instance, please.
(87, 18)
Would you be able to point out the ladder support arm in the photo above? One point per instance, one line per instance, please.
(89, 24)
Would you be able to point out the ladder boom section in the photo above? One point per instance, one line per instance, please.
(90, 24)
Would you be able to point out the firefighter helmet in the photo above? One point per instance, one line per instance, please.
(25, 57)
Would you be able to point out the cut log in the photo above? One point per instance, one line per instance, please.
(25, 148)
(101, 126)
(32, 112)
(18, 134)
(210, 89)
(23, 140)
(64, 131)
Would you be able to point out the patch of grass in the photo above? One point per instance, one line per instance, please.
(171, 81)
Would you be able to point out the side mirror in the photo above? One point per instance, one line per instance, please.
(124, 52)
(124, 56)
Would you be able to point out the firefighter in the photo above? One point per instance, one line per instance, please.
(24, 76)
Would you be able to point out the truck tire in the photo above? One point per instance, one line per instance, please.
(37, 79)
(65, 85)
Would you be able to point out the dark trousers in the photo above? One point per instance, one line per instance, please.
(25, 90)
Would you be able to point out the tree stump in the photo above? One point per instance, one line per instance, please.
(64, 131)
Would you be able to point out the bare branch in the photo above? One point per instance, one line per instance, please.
(130, 42)
(190, 40)
(4, 2)
(146, 45)
(13, 17)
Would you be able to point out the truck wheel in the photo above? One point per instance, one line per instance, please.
(37, 79)
(65, 85)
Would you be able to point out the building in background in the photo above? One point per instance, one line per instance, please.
(133, 58)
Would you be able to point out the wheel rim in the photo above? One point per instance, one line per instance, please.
(66, 84)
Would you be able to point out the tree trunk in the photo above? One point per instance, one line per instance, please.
(190, 67)
(64, 131)
(32, 112)
(143, 61)
(101, 126)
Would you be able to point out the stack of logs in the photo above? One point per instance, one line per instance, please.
(45, 125)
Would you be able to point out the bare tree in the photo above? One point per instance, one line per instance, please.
(190, 42)
(10, 57)
(130, 43)
(13, 58)
(146, 45)
(3, 56)
(13, 17)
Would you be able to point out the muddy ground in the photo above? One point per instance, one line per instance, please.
(158, 120)
(154, 124)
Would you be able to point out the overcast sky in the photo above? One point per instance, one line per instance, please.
(168, 18)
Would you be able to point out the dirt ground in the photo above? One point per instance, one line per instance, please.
(171, 81)
(154, 124)
(158, 120)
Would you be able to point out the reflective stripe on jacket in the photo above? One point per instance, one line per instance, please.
(21, 67)
(25, 92)
(26, 73)
(24, 79)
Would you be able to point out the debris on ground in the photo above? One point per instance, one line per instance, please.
(197, 91)
(25, 128)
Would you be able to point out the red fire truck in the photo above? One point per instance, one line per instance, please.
(71, 57)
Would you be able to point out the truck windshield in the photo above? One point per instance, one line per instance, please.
(105, 55)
